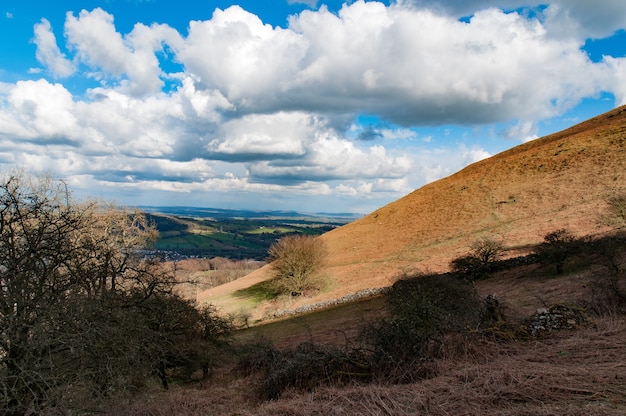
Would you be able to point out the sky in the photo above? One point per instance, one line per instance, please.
(298, 105)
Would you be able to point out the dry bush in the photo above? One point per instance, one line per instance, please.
(423, 310)
(294, 259)
(609, 285)
(480, 261)
(303, 368)
(575, 373)
(557, 247)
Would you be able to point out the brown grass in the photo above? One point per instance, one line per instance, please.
(198, 275)
(580, 372)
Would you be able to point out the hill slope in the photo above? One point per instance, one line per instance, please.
(559, 181)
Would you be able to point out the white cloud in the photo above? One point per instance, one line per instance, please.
(432, 164)
(241, 56)
(48, 52)
(523, 131)
(262, 109)
(131, 58)
(408, 65)
(331, 158)
(38, 110)
(617, 71)
(263, 136)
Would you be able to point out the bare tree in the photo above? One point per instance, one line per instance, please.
(78, 300)
(295, 259)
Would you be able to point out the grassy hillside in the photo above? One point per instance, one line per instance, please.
(575, 369)
(559, 181)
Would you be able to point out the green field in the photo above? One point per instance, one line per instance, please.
(231, 237)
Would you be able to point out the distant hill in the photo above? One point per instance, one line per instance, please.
(560, 181)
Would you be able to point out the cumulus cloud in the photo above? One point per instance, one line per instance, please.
(618, 77)
(410, 66)
(263, 136)
(38, 111)
(258, 108)
(330, 158)
(48, 52)
(241, 56)
(129, 58)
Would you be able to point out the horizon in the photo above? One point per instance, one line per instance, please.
(177, 210)
(298, 105)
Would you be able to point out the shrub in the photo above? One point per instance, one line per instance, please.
(480, 260)
(423, 310)
(295, 259)
(83, 314)
(556, 248)
(609, 288)
(303, 368)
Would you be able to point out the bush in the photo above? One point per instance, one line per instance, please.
(83, 314)
(423, 310)
(609, 288)
(303, 368)
(556, 248)
(480, 260)
(295, 259)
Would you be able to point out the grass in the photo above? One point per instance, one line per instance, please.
(572, 373)
(258, 293)
(333, 325)
(577, 371)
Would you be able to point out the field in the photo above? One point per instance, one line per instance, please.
(187, 232)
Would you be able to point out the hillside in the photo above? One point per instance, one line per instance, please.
(559, 181)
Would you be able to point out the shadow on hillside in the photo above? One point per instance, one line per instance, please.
(433, 316)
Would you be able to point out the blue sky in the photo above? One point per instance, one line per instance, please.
(297, 105)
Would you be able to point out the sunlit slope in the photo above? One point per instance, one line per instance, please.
(559, 181)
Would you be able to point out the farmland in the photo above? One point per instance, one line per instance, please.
(234, 234)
